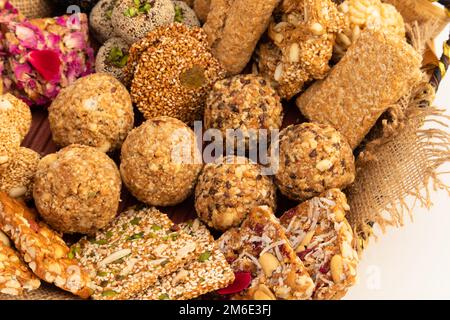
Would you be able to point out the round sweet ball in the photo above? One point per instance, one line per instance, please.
(10, 141)
(112, 58)
(245, 103)
(100, 20)
(17, 180)
(312, 159)
(133, 19)
(174, 72)
(184, 14)
(77, 190)
(228, 189)
(161, 161)
(95, 110)
(15, 114)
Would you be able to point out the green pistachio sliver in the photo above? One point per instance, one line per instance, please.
(145, 8)
(179, 17)
(136, 236)
(109, 234)
(102, 273)
(165, 238)
(164, 296)
(204, 256)
(155, 227)
(109, 293)
(174, 236)
(70, 255)
(202, 279)
(137, 3)
(108, 13)
(101, 242)
(135, 221)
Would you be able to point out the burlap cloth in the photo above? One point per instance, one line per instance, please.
(33, 8)
(399, 160)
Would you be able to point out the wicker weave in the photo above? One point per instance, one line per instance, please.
(33, 8)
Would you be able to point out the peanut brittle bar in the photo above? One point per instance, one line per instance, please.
(129, 255)
(323, 239)
(15, 277)
(260, 246)
(208, 272)
(43, 250)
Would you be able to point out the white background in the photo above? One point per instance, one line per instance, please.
(412, 262)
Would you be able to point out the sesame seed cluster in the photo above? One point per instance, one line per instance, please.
(171, 72)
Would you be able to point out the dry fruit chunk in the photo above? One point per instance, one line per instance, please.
(323, 239)
(302, 35)
(15, 277)
(370, 15)
(136, 249)
(261, 247)
(43, 250)
(208, 272)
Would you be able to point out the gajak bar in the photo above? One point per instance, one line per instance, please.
(375, 73)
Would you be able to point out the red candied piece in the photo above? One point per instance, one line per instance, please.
(47, 63)
(241, 282)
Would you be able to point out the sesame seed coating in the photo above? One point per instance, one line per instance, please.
(102, 60)
(130, 254)
(172, 70)
(313, 158)
(77, 190)
(17, 180)
(133, 28)
(100, 20)
(208, 272)
(243, 102)
(228, 189)
(184, 14)
(150, 166)
(9, 144)
(95, 110)
(15, 114)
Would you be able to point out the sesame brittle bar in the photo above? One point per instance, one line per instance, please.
(260, 246)
(15, 277)
(208, 272)
(131, 253)
(43, 250)
(323, 239)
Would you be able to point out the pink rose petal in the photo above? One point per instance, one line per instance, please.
(241, 282)
(46, 62)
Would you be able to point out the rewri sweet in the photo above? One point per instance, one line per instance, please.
(112, 58)
(323, 239)
(133, 19)
(77, 190)
(100, 20)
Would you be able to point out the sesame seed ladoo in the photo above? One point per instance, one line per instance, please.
(171, 71)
